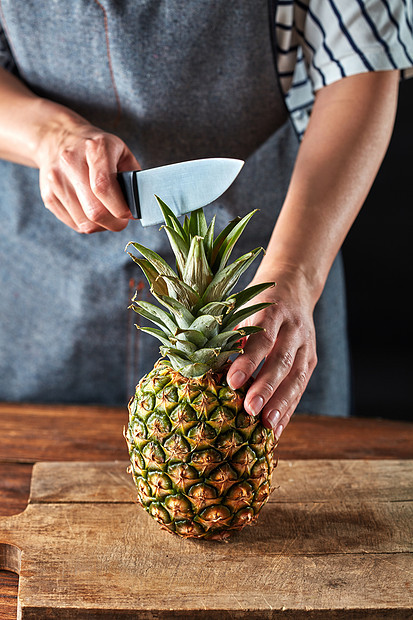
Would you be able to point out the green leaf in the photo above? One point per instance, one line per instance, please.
(170, 218)
(249, 329)
(205, 356)
(222, 359)
(216, 308)
(157, 333)
(183, 317)
(197, 223)
(192, 335)
(241, 298)
(177, 358)
(192, 370)
(229, 243)
(178, 289)
(222, 339)
(151, 275)
(166, 318)
(185, 346)
(156, 261)
(241, 315)
(186, 229)
(154, 318)
(226, 279)
(179, 248)
(202, 225)
(197, 273)
(221, 238)
(135, 258)
(209, 240)
(241, 333)
(207, 325)
(232, 342)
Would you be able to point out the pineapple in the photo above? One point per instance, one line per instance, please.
(202, 466)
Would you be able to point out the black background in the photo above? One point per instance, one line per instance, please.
(378, 262)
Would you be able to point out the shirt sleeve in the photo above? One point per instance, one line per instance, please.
(317, 42)
(344, 37)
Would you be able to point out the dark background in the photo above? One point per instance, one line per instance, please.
(378, 261)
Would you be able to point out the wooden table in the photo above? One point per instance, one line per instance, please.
(32, 433)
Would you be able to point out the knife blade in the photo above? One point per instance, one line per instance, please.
(184, 186)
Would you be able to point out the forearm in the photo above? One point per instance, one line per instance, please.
(25, 119)
(339, 157)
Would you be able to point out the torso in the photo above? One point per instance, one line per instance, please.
(176, 81)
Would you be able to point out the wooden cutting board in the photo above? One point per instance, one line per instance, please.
(334, 541)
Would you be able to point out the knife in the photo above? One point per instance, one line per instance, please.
(184, 186)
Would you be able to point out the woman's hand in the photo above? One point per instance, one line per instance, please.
(287, 345)
(78, 165)
(78, 162)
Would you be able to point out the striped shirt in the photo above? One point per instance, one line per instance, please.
(317, 42)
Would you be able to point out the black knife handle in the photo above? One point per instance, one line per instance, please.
(129, 186)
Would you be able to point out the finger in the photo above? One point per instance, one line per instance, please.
(127, 161)
(53, 204)
(282, 424)
(103, 167)
(281, 406)
(54, 198)
(257, 347)
(277, 366)
(95, 213)
(69, 205)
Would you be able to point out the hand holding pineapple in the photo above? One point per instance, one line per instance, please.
(287, 344)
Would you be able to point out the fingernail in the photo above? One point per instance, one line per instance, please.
(278, 431)
(237, 379)
(256, 405)
(273, 417)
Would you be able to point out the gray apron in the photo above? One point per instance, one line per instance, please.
(175, 80)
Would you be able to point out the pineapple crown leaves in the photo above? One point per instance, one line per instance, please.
(196, 326)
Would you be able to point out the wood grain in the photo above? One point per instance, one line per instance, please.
(30, 433)
(8, 595)
(293, 482)
(90, 552)
(14, 487)
(33, 433)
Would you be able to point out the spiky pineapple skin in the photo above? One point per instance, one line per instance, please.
(201, 465)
